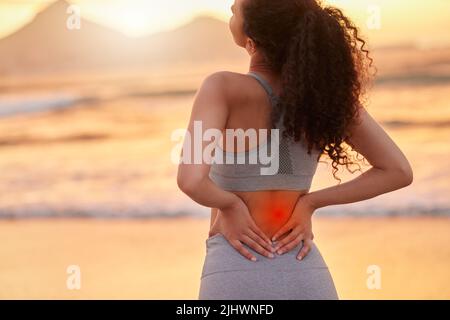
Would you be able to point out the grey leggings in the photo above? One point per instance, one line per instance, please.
(227, 275)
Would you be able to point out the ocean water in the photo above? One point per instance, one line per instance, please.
(12, 104)
(112, 158)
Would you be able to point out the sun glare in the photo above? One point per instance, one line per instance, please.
(133, 21)
(139, 17)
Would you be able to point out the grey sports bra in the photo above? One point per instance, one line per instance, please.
(282, 163)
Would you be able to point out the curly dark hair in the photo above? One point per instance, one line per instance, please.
(324, 68)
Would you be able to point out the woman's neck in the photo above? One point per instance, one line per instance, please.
(258, 64)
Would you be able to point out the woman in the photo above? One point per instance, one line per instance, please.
(307, 73)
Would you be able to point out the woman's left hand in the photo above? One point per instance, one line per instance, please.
(299, 227)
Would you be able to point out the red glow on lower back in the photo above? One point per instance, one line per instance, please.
(278, 213)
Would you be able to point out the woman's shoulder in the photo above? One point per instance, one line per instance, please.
(222, 77)
(226, 83)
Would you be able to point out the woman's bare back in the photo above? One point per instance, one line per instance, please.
(249, 108)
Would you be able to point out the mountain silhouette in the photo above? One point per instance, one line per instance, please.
(47, 45)
(204, 38)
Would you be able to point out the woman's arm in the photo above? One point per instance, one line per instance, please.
(390, 171)
(234, 221)
(210, 108)
(390, 168)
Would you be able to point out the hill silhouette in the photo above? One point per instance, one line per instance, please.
(47, 45)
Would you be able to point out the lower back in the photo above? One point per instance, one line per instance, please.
(269, 209)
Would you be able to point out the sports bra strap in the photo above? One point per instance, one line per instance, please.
(264, 84)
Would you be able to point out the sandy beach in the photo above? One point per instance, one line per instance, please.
(162, 258)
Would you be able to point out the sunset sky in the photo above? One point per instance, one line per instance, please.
(422, 22)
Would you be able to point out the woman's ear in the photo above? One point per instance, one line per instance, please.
(250, 45)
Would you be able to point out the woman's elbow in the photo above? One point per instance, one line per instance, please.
(406, 174)
(184, 184)
(187, 183)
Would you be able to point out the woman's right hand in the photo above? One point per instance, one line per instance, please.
(237, 226)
